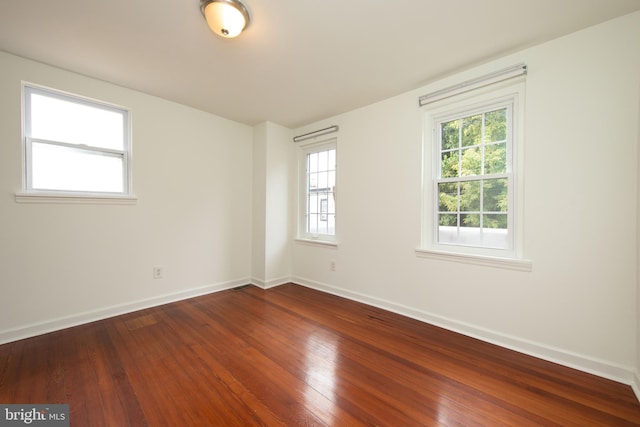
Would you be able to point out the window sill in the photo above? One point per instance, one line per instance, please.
(314, 242)
(94, 199)
(483, 260)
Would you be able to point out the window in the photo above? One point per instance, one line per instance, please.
(472, 194)
(318, 192)
(74, 146)
(474, 179)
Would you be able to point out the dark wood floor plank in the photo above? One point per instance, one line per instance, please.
(295, 356)
(257, 370)
(347, 314)
(312, 366)
(153, 357)
(427, 378)
(325, 351)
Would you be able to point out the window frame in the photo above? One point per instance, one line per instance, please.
(303, 151)
(481, 109)
(31, 194)
(510, 94)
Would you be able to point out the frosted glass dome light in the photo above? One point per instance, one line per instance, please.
(226, 18)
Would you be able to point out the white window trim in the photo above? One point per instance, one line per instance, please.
(319, 243)
(85, 198)
(31, 195)
(473, 259)
(508, 91)
(302, 236)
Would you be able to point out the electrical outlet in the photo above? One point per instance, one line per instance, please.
(332, 265)
(157, 272)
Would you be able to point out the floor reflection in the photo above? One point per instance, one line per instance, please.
(321, 363)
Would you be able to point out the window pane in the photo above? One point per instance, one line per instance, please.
(450, 164)
(312, 165)
(63, 168)
(448, 196)
(495, 233)
(470, 233)
(495, 126)
(472, 210)
(331, 205)
(323, 180)
(495, 221)
(471, 130)
(450, 134)
(313, 203)
(312, 223)
(321, 172)
(470, 196)
(321, 223)
(323, 160)
(66, 121)
(332, 159)
(313, 181)
(324, 208)
(496, 195)
(448, 220)
(331, 180)
(322, 226)
(471, 162)
(495, 158)
(448, 233)
(470, 220)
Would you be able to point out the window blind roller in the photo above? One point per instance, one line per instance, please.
(498, 76)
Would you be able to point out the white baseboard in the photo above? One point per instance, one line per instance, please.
(272, 283)
(590, 365)
(106, 312)
(635, 385)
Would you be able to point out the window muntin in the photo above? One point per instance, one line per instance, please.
(474, 183)
(74, 145)
(318, 210)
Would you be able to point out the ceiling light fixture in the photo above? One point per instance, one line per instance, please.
(226, 18)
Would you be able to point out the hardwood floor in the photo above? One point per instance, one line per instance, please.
(294, 356)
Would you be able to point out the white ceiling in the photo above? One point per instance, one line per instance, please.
(299, 60)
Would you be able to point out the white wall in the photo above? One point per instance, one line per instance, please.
(62, 264)
(259, 206)
(578, 305)
(636, 382)
(272, 201)
(278, 206)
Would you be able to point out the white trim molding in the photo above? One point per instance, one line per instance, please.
(101, 199)
(635, 385)
(483, 260)
(321, 243)
(272, 283)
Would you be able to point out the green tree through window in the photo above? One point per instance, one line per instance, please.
(473, 186)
